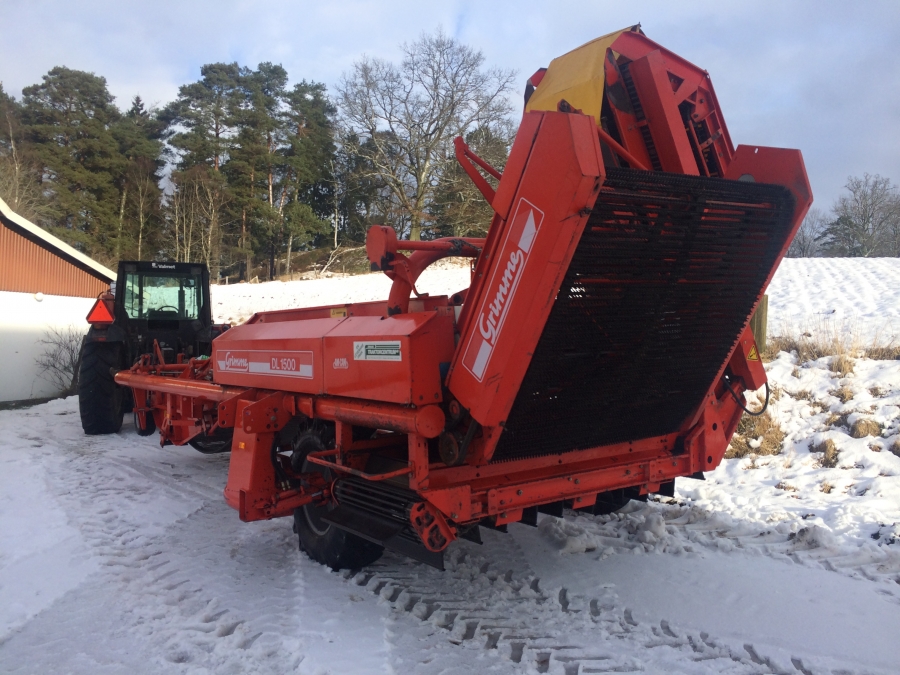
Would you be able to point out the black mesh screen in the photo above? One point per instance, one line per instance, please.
(660, 286)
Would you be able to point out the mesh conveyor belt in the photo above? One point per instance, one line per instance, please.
(662, 282)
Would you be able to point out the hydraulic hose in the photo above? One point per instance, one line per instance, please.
(745, 408)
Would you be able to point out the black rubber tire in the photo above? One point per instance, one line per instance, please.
(321, 541)
(151, 424)
(100, 399)
(220, 441)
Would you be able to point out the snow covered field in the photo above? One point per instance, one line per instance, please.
(117, 556)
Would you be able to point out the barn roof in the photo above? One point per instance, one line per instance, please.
(57, 246)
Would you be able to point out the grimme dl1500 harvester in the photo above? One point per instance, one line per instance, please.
(601, 351)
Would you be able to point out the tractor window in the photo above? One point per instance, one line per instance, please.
(162, 296)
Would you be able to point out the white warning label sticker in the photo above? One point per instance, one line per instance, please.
(377, 351)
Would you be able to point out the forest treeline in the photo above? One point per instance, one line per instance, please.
(864, 222)
(243, 169)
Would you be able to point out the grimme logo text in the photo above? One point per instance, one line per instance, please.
(233, 362)
(490, 319)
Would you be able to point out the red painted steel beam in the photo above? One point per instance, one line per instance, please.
(620, 151)
(173, 385)
(458, 246)
(427, 421)
(661, 109)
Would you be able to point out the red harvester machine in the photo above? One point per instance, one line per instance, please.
(601, 351)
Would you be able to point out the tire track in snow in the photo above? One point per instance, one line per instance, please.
(680, 527)
(488, 603)
(205, 592)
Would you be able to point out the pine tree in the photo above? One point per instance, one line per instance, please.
(139, 133)
(201, 122)
(20, 171)
(68, 118)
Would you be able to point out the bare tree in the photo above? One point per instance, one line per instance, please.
(211, 199)
(182, 207)
(864, 219)
(405, 116)
(145, 197)
(195, 212)
(60, 361)
(807, 242)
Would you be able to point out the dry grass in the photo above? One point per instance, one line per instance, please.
(823, 339)
(785, 486)
(829, 452)
(895, 448)
(843, 394)
(865, 427)
(842, 340)
(890, 352)
(842, 364)
(876, 392)
(804, 394)
(763, 428)
(826, 487)
(840, 421)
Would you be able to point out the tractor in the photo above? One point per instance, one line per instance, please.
(158, 311)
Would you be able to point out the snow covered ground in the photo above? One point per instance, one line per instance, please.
(117, 556)
(838, 294)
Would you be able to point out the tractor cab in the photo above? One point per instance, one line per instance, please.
(167, 302)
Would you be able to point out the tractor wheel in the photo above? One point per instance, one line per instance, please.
(220, 441)
(322, 541)
(100, 399)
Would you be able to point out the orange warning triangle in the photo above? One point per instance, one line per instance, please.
(753, 355)
(100, 313)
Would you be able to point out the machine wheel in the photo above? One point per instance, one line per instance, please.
(322, 541)
(220, 441)
(151, 424)
(100, 399)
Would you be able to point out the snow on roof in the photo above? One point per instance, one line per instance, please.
(17, 223)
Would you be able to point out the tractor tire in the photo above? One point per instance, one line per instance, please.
(220, 441)
(322, 541)
(100, 400)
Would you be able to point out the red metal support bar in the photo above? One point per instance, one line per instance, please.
(620, 151)
(427, 421)
(172, 385)
(465, 157)
(458, 246)
(319, 458)
(382, 250)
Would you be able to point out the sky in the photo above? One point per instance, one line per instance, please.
(822, 76)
